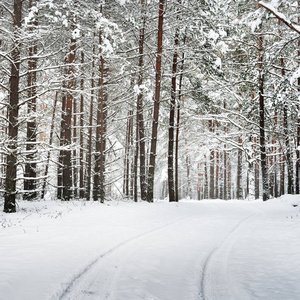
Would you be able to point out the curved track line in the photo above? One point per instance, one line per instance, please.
(202, 292)
(86, 269)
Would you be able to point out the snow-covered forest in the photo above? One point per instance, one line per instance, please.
(111, 109)
(149, 99)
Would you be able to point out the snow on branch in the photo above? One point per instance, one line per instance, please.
(280, 16)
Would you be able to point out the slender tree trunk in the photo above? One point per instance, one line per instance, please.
(74, 165)
(205, 193)
(217, 174)
(61, 143)
(126, 159)
(136, 157)
(178, 125)
(67, 167)
(156, 103)
(30, 181)
(262, 139)
(225, 173)
(239, 188)
(297, 166)
(90, 133)
(98, 191)
(211, 167)
(171, 185)
(140, 114)
(13, 114)
(99, 170)
(81, 170)
(50, 143)
(290, 185)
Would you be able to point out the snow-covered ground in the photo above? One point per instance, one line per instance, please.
(169, 251)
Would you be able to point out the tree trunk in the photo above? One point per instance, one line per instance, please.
(99, 170)
(140, 114)
(225, 173)
(30, 181)
(13, 114)
(67, 166)
(297, 166)
(61, 143)
(171, 185)
(262, 138)
(178, 126)
(90, 133)
(256, 171)
(81, 170)
(211, 167)
(239, 188)
(156, 103)
(290, 185)
(50, 143)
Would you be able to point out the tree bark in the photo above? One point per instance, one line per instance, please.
(50, 143)
(140, 114)
(90, 133)
(171, 184)
(99, 170)
(13, 114)
(67, 166)
(81, 170)
(262, 138)
(156, 102)
(30, 181)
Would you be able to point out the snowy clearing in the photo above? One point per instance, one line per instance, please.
(188, 250)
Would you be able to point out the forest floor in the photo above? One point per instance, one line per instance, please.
(190, 250)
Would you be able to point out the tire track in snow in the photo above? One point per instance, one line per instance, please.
(79, 276)
(205, 277)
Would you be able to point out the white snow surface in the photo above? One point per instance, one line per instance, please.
(210, 249)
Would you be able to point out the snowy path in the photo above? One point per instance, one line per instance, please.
(163, 261)
(208, 250)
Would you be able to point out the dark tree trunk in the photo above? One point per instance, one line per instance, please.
(239, 188)
(74, 166)
(13, 114)
(205, 192)
(156, 103)
(297, 166)
(30, 181)
(178, 126)
(99, 170)
(67, 165)
(290, 184)
(81, 171)
(90, 134)
(128, 150)
(171, 185)
(136, 158)
(61, 143)
(211, 167)
(212, 174)
(225, 173)
(140, 114)
(50, 143)
(262, 138)
(256, 171)
(288, 158)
